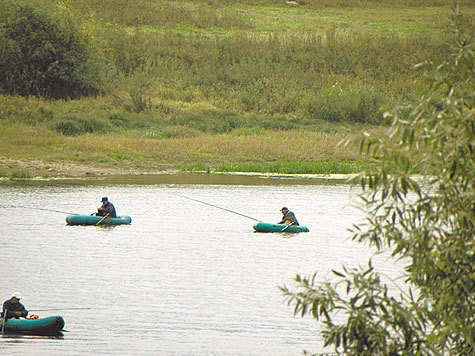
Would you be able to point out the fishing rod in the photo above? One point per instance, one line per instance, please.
(40, 310)
(215, 206)
(30, 207)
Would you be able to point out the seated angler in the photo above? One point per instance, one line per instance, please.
(288, 217)
(12, 308)
(107, 209)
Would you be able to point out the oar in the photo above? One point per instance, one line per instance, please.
(4, 320)
(103, 218)
(285, 228)
(215, 206)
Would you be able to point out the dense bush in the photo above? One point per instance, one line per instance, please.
(43, 52)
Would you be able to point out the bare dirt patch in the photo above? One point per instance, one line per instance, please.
(38, 168)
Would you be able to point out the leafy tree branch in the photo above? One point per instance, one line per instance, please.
(427, 220)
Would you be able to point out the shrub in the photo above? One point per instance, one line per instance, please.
(73, 125)
(67, 127)
(43, 52)
(337, 104)
(139, 91)
(118, 119)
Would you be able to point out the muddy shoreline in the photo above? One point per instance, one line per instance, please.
(34, 169)
(38, 168)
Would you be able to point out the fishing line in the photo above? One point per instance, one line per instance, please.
(39, 310)
(215, 206)
(30, 207)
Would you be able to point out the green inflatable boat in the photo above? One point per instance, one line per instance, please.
(51, 325)
(266, 227)
(97, 220)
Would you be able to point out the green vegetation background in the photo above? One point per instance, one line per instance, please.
(228, 85)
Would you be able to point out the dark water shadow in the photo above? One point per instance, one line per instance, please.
(185, 179)
(13, 338)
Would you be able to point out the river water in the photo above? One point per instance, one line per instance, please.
(184, 278)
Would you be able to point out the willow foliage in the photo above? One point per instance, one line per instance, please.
(428, 222)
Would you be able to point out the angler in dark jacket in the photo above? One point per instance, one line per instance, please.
(288, 217)
(107, 209)
(12, 308)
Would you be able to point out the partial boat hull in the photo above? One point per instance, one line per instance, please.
(266, 227)
(51, 325)
(97, 220)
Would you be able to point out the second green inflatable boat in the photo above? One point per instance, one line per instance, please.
(266, 227)
(97, 220)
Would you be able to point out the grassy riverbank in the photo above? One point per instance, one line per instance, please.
(227, 85)
(46, 153)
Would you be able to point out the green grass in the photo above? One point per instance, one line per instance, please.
(16, 174)
(326, 166)
(181, 78)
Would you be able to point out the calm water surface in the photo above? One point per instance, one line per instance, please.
(184, 278)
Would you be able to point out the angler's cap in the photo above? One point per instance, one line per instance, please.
(104, 199)
(284, 208)
(16, 295)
